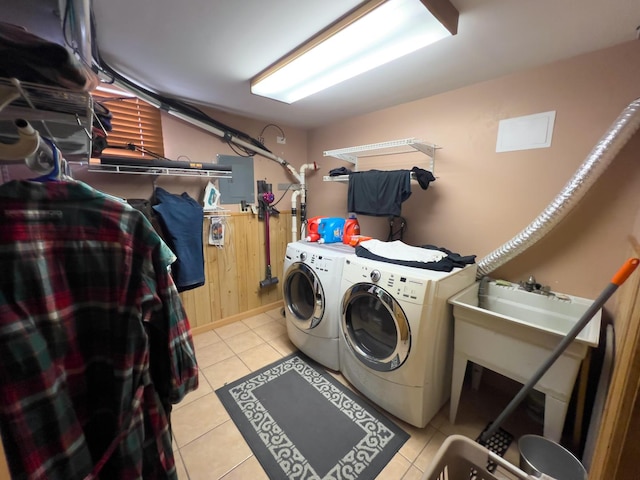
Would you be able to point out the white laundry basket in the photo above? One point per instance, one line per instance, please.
(460, 458)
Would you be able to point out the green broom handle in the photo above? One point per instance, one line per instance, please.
(617, 280)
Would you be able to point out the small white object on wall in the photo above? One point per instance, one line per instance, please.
(216, 231)
(525, 133)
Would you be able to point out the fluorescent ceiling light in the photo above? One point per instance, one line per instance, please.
(375, 33)
(115, 91)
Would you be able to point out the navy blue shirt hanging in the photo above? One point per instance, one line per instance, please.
(181, 219)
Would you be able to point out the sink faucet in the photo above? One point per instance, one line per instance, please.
(530, 285)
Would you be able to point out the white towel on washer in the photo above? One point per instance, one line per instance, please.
(398, 250)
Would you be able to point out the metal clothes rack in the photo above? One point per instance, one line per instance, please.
(66, 118)
(157, 171)
(63, 116)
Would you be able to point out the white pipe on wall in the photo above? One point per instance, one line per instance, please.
(303, 174)
(294, 216)
(307, 166)
(303, 191)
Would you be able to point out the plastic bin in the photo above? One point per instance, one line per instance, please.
(460, 458)
(540, 455)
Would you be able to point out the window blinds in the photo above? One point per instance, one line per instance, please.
(134, 121)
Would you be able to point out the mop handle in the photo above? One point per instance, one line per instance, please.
(266, 235)
(625, 271)
(617, 280)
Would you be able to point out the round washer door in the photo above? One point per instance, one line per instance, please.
(375, 327)
(303, 296)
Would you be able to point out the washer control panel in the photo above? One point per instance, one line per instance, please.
(320, 263)
(410, 288)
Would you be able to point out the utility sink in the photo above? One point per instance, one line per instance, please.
(513, 332)
(554, 314)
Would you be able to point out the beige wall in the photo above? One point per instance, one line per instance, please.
(481, 198)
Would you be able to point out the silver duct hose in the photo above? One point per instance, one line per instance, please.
(594, 165)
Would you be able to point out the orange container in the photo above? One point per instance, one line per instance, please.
(312, 229)
(351, 228)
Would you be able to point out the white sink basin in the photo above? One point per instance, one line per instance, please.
(555, 314)
(514, 332)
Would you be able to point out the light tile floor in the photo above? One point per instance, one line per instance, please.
(208, 446)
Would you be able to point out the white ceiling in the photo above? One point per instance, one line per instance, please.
(206, 51)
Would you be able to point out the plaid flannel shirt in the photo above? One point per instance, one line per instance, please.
(84, 286)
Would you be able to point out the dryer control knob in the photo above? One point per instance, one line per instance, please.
(375, 275)
(303, 256)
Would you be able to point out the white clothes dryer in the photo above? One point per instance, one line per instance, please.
(311, 293)
(396, 342)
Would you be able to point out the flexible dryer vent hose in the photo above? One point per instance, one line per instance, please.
(594, 165)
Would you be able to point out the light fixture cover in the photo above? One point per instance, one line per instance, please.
(393, 29)
(114, 90)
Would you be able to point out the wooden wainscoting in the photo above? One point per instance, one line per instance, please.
(233, 272)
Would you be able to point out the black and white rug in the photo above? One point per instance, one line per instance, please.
(301, 423)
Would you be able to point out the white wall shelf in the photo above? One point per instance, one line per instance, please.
(345, 178)
(392, 147)
(154, 170)
(216, 212)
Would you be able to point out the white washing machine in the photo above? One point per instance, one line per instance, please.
(311, 292)
(396, 342)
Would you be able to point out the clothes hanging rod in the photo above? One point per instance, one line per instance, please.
(167, 171)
